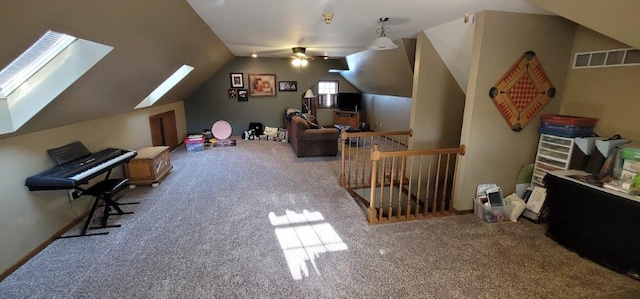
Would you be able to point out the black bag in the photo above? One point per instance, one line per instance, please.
(257, 128)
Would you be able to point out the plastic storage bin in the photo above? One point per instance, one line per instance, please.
(567, 126)
(568, 132)
(569, 121)
(491, 214)
(194, 145)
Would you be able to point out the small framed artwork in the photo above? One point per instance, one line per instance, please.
(243, 95)
(233, 93)
(288, 86)
(236, 80)
(262, 85)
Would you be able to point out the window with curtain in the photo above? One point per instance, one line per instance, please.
(327, 94)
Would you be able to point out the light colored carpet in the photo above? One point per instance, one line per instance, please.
(254, 221)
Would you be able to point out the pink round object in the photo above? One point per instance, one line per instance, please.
(221, 129)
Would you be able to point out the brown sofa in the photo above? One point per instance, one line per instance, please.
(310, 142)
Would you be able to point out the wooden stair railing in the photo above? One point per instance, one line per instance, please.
(411, 184)
(355, 149)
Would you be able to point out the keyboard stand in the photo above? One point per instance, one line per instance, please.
(104, 190)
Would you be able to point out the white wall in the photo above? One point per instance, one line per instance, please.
(28, 218)
(454, 41)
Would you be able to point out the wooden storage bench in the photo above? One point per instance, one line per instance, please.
(150, 166)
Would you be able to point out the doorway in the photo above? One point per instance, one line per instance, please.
(163, 129)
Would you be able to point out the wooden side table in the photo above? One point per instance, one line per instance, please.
(346, 118)
(149, 167)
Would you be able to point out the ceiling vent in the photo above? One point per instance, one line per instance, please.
(609, 58)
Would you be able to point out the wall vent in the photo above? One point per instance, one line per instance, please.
(609, 58)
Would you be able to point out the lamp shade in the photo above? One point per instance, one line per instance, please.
(308, 94)
(382, 43)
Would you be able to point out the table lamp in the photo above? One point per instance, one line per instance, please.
(308, 95)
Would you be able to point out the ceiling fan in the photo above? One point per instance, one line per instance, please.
(300, 57)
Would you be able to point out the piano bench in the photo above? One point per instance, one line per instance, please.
(107, 188)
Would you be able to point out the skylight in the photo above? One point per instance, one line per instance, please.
(41, 73)
(165, 86)
(32, 60)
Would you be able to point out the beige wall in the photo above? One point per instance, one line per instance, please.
(495, 153)
(387, 72)
(386, 113)
(28, 218)
(438, 101)
(611, 94)
(435, 111)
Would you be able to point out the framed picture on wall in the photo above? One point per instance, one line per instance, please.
(236, 80)
(288, 86)
(233, 93)
(242, 95)
(262, 85)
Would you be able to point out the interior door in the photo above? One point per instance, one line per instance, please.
(163, 129)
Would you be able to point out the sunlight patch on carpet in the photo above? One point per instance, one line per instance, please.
(303, 237)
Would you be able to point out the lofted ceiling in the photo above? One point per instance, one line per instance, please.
(153, 38)
(618, 19)
(272, 28)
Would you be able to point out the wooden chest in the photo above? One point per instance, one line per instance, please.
(150, 165)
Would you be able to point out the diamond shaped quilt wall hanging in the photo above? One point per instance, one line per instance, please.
(522, 92)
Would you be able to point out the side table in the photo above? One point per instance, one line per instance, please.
(347, 128)
(350, 129)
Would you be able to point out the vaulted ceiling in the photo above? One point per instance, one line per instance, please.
(271, 29)
(618, 19)
(153, 38)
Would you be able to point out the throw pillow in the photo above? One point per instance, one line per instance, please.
(312, 125)
(288, 116)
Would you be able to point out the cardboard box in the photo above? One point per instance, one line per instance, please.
(631, 165)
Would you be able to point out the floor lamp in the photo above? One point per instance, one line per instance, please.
(307, 102)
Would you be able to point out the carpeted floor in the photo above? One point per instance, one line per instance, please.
(254, 221)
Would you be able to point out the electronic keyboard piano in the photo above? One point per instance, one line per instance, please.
(76, 166)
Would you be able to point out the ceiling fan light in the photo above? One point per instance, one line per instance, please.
(382, 43)
(299, 51)
(296, 62)
(304, 62)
